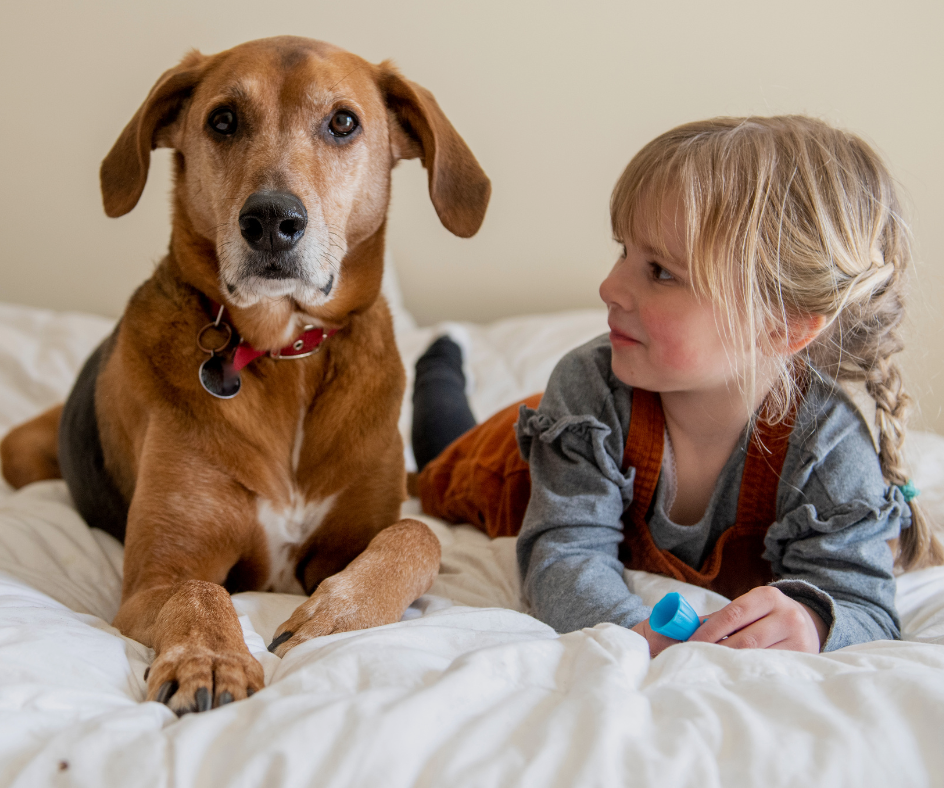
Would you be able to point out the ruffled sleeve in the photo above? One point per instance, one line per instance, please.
(576, 438)
(569, 541)
(836, 515)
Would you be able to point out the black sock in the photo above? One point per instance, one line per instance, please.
(440, 409)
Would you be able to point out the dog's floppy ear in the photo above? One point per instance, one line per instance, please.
(458, 187)
(125, 168)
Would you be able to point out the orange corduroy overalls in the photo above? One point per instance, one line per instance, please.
(481, 478)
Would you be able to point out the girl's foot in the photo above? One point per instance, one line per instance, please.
(441, 410)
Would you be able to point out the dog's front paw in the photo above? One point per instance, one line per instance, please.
(336, 606)
(398, 566)
(192, 678)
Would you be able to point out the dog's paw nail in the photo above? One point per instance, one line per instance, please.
(279, 641)
(168, 688)
(203, 699)
(147, 672)
(225, 697)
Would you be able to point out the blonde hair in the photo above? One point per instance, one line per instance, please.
(786, 219)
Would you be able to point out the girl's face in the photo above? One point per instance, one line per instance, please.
(664, 337)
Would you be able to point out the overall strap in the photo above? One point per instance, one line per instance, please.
(757, 501)
(644, 447)
(740, 549)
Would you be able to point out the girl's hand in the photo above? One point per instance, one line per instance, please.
(764, 617)
(657, 643)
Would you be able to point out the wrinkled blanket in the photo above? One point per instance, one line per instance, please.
(467, 690)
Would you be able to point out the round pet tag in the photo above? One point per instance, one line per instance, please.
(218, 378)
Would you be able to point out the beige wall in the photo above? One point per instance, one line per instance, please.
(553, 97)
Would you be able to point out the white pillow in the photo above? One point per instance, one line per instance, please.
(390, 288)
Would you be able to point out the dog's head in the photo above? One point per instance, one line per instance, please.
(284, 151)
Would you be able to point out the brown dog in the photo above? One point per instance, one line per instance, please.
(279, 474)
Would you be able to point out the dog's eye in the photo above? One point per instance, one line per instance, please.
(342, 123)
(222, 121)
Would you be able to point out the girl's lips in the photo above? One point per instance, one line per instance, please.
(617, 338)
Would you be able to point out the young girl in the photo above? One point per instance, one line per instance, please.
(762, 260)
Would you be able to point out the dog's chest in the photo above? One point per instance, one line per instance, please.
(288, 524)
(287, 527)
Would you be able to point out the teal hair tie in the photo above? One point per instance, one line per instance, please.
(909, 491)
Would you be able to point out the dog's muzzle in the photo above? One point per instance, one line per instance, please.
(272, 224)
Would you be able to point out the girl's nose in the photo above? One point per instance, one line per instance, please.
(615, 290)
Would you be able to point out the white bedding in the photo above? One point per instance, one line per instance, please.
(468, 690)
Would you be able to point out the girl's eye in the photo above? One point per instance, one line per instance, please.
(659, 273)
(223, 121)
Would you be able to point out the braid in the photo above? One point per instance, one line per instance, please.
(859, 346)
(918, 546)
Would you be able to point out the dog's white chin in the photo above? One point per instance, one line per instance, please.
(253, 290)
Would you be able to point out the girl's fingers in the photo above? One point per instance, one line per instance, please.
(763, 633)
(764, 618)
(737, 615)
(787, 644)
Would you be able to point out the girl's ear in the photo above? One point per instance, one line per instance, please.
(801, 331)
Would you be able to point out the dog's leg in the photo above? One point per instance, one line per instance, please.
(29, 452)
(189, 524)
(398, 566)
(202, 661)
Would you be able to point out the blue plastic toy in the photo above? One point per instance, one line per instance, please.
(674, 617)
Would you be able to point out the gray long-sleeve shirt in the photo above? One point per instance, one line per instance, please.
(828, 545)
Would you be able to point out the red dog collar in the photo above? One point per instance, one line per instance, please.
(221, 378)
(305, 344)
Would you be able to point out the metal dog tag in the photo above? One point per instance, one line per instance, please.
(219, 378)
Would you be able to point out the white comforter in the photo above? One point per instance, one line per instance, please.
(466, 690)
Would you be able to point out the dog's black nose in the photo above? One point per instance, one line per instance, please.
(272, 221)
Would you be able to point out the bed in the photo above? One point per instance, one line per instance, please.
(468, 689)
